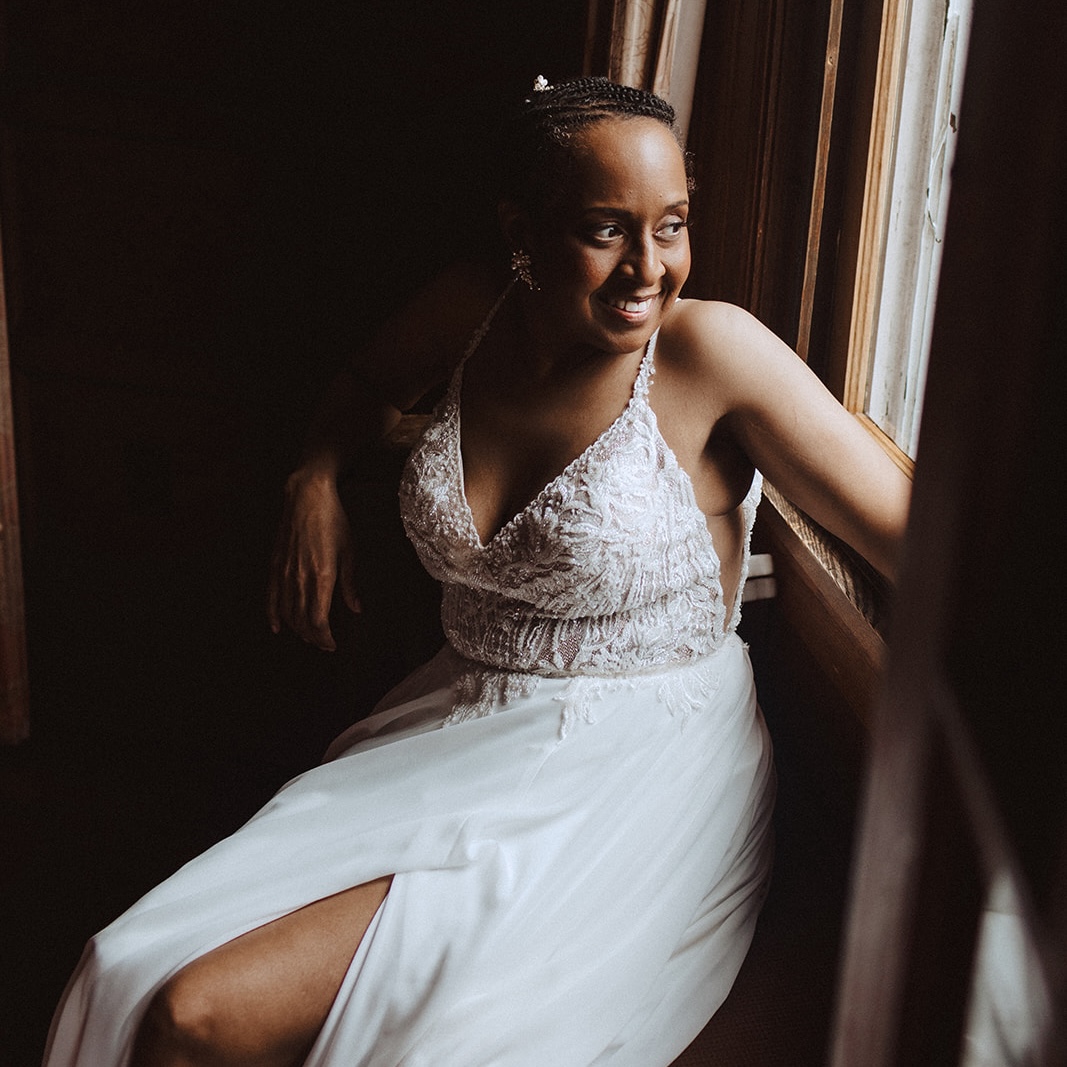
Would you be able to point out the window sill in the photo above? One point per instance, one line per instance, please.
(829, 599)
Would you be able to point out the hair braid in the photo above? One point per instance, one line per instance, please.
(535, 156)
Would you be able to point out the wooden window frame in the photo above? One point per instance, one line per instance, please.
(793, 136)
(866, 204)
(863, 213)
(965, 786)
(877, 195)
(782, 149)
(875, 222)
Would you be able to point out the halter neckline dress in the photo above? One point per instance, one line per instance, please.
(574, 795)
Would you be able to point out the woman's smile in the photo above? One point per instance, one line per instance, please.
(612, 263)
(633, 310)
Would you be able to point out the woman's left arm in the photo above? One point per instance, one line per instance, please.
(794, 430)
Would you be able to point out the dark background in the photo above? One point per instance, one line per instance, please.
(205, 205)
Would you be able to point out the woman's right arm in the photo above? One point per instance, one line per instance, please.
(413, 352)
(313, 549)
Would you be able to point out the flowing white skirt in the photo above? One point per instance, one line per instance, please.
(569, 902)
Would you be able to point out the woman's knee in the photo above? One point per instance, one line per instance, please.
(192, 1022)
(207, 1016)
(182, 1018)
(261, 998)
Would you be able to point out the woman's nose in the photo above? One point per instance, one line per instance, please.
(645, 262)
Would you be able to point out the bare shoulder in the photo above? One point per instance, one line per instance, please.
(701, 321)
(418, 345)
(766, 400)
(712, 335)
(723, 349)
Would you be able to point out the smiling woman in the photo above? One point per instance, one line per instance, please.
(568, 807)
(608, 266)
(616, 251)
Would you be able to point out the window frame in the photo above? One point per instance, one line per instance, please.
(787, 102)
(885, 173)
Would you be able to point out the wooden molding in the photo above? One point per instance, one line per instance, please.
(822, 166)
(14, 672)
(892, 449)
(881, 156)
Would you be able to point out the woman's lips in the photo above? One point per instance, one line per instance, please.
(632, 308)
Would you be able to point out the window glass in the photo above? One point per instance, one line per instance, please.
(936, 47)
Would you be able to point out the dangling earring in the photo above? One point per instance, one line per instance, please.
(520, 267)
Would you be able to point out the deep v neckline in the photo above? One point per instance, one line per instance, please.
(638, 393)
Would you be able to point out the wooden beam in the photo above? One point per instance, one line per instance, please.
(876, 202)
(822, 165)
(14, 673)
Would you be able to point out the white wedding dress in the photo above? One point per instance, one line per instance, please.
(574, 796)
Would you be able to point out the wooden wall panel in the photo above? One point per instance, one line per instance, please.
(14, 668)
(754, 136)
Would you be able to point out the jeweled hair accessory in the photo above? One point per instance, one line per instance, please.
(541, 84)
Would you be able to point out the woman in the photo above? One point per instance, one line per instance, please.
(550, 843)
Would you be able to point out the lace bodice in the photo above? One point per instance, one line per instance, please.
(609, 570)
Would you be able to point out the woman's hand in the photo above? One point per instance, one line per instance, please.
(313, 550)
(414, 351)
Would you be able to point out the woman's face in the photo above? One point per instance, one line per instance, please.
(614, 254)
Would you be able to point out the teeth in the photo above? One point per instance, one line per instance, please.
(633, 306)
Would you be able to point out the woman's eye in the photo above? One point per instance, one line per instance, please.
(672, 228)
(607, 232)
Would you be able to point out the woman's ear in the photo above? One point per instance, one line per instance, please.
(514, 225)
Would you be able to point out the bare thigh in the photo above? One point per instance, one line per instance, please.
(263, 997)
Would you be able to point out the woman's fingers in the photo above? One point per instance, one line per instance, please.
(315, 623)
(312, 550)
(348, 577)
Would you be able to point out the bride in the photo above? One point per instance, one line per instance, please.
(551, 842)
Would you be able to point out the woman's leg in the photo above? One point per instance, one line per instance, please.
(261, 999)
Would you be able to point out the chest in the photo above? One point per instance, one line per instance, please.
(618, 527)
(513, 443)
(514, 439)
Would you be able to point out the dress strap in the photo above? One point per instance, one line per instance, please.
(476, 337)
(474, 342)
(641, 382)
(646, 370)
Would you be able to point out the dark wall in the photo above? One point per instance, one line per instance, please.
(204, 205)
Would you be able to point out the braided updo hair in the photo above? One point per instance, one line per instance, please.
(535, 157)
